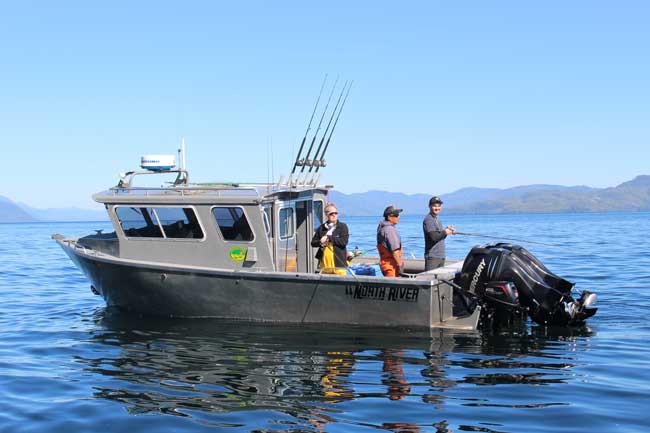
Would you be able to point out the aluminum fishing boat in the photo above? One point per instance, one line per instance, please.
(243, 251)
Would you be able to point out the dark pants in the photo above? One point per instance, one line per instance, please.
(433, 262)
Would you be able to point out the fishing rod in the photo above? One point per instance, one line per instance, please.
(305, 161)
(322, 160)
(311, 146)
(322, 140)
(302, 145)
(506, 239)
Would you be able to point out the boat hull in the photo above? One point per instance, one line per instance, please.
(181, 291)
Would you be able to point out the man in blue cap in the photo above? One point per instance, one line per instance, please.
(434, 236)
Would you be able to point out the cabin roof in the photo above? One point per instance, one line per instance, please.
(206, 193)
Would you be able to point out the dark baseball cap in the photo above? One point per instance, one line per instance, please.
(435, 199)
(392, 211)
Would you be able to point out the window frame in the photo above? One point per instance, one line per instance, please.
(160, 226)
(293, 223)
(141, 238)
(196, 215)
(218, 228)
(322, 217)
(266, 219)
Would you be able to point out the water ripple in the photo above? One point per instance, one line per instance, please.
(69, 364)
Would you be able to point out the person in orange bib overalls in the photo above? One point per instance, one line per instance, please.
(389, 243)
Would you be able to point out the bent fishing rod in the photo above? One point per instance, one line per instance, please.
(302, 145)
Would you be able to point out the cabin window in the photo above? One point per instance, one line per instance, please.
(138, 222)
(286, 223)
(179, 222)
(233, 224)
(160, 222)
(317, 213)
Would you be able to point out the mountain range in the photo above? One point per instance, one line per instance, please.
(13, 212)
(633, 195)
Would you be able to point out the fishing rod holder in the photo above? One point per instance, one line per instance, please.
(297, 182)
(311, 163)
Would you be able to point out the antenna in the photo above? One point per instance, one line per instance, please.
(272, 161)
(268, 165)
(181, 154)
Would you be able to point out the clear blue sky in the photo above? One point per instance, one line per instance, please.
(446, 94)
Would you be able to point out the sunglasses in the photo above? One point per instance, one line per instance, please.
(332, 213)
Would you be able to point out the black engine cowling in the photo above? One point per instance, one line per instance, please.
(508, 280)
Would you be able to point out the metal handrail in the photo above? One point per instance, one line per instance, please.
(149, 191)
(187, 190)
(182, 177)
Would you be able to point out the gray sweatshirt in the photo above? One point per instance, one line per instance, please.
(434, 237)
(388, 236)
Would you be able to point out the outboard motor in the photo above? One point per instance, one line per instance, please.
(510, 282)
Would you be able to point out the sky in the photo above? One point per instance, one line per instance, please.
(446, 95)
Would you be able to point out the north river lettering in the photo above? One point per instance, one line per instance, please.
(382, 293)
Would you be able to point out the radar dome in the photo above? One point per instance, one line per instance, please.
(158, 162)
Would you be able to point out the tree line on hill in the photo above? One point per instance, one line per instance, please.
(630, 196)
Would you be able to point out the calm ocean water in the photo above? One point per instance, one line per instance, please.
(67, 364)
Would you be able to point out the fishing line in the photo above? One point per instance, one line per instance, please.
(507, 239)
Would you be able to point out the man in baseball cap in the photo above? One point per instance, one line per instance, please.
(434, 235)
(389, 243)
(392, 211)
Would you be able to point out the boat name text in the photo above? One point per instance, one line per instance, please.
(382, 293)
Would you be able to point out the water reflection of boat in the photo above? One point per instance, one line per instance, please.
(185, 368)
(265, 350)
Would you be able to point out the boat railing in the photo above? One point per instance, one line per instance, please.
(126, 179)
(186, 191)
(212, 189)
(182, 187)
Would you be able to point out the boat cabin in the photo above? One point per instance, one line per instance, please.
(265, 227)
(243, 251)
